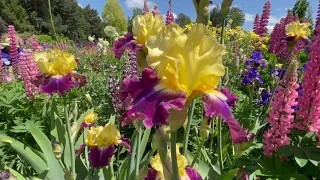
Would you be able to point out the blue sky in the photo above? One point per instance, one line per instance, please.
(249, 7)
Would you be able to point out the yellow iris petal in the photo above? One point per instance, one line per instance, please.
(55, 62)
(188, 62)
(156, 164)
(300, 30)
(145, 26)
(103, 136)
(90, 118)
(109, 135)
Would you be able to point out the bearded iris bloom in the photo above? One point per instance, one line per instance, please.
(58, 72)
(185, 172)
(182, 67)
(297, 31)
(101, 140)
(89, 119)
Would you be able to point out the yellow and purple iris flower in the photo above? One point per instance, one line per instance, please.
(181, 68)
(101, 140)
(58, 70)
(185, 172)
(298, 31)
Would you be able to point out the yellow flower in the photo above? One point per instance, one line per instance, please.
(263, 46)
(278, 65)
(156, 164)
(300, 30)
(56, 62)
(230, 21)
(145, 26)
(103, 136)
(255, 36)
(90, 118)
(189, 62)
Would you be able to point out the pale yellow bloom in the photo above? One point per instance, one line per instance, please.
(90, 118)
(56, 62)
(156, 164)
(103, 136)
(300, 30)
(189, 62)
(145, 26)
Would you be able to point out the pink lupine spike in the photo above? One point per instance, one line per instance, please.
(281, 114)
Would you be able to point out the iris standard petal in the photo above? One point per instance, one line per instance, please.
(152, 175)
(145, 100)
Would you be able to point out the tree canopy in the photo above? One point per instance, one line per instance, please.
(113, 15)
(182, 20)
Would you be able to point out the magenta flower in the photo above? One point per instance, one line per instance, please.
(231, 98)
(263, 30)
(125, 43)
(256, 24)
(309, 101)
(169, 15)
(58, 72)
(281, 114)
(35, 44)
(13, 49)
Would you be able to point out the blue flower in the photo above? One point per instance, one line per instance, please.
(265, 97)
(251, 75)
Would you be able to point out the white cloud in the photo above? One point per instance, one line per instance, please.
(175, 15)
(249, 17)
(80, 5)
(270, 28)
(211, 7)
(137, 3)
(274, 20)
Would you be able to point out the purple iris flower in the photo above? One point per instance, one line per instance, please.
(265, 97)
(252, 75)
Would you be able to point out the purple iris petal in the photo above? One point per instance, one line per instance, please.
(215, 106)
(231, 98)
(126, 143)
(193, 174)
(60, 85)
(251, 75)
(152, 175)
(248, 62)
(100, 157)
(123, 44)
(256, 56)
(265, 97)
(144, 102)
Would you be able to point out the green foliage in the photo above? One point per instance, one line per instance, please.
(45, 38)
(215, 16)
(182, 20)
(12, 13)
(136, 12)
(113, 15)
(237, 17)
(300, 9)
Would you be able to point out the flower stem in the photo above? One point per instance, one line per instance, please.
(175, 171)
(52, 23)
(198, 153)
(186, 133)
(138, 150)
(68, 127)
(86, 148)
(220, 144)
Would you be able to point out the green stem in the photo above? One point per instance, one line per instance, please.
(175, 171)
(52, 23)
(220, 144)
(86, 149)
(187, 132)
(251, 91)
(198, 152)
(138, 151)
(222, 32)
(132, 158)
(68, 127)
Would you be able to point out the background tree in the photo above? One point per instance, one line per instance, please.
(182, 20)
(215, 16)
(94, 21)
(310, 17)
(300, 9)
(236, 14)
(136, 12)
(113, 15)
(11, 12)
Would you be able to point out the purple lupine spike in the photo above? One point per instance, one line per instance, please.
(256, 25)
(169, 15)
(145, 7)
(263, 30)
(318, 15)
